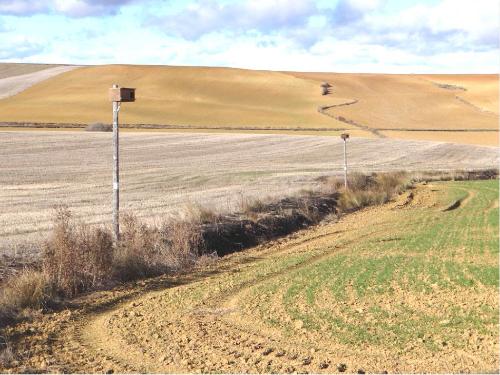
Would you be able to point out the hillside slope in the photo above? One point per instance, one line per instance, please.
(16, 69)
(456, 108)
(416, 102)
(16, 80)
(175, 96)
(428, 107)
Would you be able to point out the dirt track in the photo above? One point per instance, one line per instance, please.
(162, 172)
(210, 322)
(10, 86)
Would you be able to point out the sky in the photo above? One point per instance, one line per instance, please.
(379, 36)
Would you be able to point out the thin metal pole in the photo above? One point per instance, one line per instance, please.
(116, 173)
(345, 163)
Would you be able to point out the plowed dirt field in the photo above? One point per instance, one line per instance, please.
(410, 286)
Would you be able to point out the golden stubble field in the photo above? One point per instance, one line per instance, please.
(162, 173)
(419, 102)
(238, 98)
(175, 96)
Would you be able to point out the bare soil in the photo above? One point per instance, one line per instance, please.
(162, 173)
(225, 318)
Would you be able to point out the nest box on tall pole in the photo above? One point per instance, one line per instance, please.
(117, 95)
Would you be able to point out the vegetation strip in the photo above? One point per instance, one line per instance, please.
(78, 257)
(42, 125)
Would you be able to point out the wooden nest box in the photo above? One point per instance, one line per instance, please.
(344, 136)
(121, 94)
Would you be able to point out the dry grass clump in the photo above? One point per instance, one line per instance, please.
(252, 208)
(136, 255)
(29, 289)
(99, 127)
(198, 213)
(365, 190)
(6, 355)
(76, 257)
(148, 250)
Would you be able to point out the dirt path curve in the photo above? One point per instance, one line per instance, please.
(206, 321)
(199, 322)
(11, 86)
(202, 326)
(324, 111)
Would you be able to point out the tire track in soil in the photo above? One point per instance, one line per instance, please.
(199, 326)
(220, 338)
(462, 202)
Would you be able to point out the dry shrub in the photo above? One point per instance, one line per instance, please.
(198, 213)
(308, 209)
(29, 288)
(252, 208)
(147, 251)
(6, 356)
(366, 190)
(99, 127)
(77, 257)
(207, 260)
(184, 239)
(137, 253)
(456, 175)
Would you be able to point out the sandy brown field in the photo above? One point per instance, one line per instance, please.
(15, 82)
(176, 96)
(239, 99)
(400, 102)
(163, 172)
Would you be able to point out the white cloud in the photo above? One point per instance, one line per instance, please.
(22, 7)
(206, 16)
(453, 24)
(72, 8)
(449, 36)
(85, 8)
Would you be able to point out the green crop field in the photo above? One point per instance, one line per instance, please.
(410, 286)
(421, 281)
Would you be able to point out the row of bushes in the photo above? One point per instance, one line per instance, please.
(78, 257)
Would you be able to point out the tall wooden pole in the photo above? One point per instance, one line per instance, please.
(345, 163)
(116, 173)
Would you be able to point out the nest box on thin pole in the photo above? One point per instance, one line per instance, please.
(117, 95)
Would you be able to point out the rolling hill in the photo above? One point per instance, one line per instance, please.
(456, 108)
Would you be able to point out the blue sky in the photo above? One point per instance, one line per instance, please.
(394, 36)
